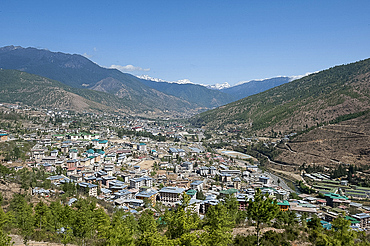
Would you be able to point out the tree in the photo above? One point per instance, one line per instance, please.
(102, 222)
(262, 210)
(4, 238)
(218, 226)
(200, 195)
(67, 236)
(149, 233)
(23, 216)
(181, 220)
(41, 214)
(122, 229)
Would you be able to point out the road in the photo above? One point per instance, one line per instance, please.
(282, 183)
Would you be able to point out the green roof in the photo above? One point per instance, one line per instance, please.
(229, 191)
(353, 220)
(191, 192)
(284, 203)
(335, 196)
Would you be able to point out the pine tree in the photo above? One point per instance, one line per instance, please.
(262, 210)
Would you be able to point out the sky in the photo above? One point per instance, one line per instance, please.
(206, 42)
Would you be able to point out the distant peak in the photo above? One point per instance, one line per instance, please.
(181, 81)
(219, 86)
(10, 48)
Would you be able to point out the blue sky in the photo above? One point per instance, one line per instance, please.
(206, 42)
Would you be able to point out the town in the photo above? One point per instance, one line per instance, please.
(135, 164)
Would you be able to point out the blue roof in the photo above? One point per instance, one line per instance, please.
(197, 182)
(147, 193)
(72, 200)
(174, 190)
(173, 150)
(87, 185)
(105, 191)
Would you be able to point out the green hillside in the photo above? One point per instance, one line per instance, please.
(38, 91)
(34, 90)
(79, 72)
(300, 104)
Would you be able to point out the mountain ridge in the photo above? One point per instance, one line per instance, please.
(299, 104)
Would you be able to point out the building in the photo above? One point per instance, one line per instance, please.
(90, 189)
(364, 220)
(197, 185)
(170, 194)
(264, 180)
(3, 136)
(284, 206)
(237, 183)
(140, 182)
(151, 195)
(141, 147)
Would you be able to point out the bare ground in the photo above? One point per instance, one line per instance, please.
(346, 142)
(18, 241)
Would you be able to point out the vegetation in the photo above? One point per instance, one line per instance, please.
(285, 107)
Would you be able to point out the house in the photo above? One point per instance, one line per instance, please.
(170, 195)
(72, 163)
(192, 193)
(73, 153)
(73, 136)
(48, 167)
(237, 183)
(139, 182)
(151, 195)
(90, 189)
(85, 162)
(264, 180)
(123, 194)
(334, 200)
(212, 171)
(187, 165)
(173, 152)
(38, 154)
(228, 193)
(141, 147)
(107, 179)
(3, 137)
(49, 159)
(281, 195)
(203, 171)
(54, 153)
(284, 206)
(56, 178)
(364, 220)
(197, 185)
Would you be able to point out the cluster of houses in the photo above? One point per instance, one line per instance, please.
(108, 169)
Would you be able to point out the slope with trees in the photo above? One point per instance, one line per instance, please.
(298, 105)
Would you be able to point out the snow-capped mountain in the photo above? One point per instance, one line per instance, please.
(218, 86)
(180, 82)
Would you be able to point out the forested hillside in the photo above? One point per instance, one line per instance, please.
(298, 105)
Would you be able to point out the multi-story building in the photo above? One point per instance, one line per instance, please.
(364, 219)
(170, 194)
(140, 182)
(90, 189)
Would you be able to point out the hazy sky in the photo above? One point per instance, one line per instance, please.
(204, 41)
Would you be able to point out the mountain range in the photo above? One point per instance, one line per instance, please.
(126, 92)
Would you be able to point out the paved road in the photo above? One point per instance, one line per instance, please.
(282, 183)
